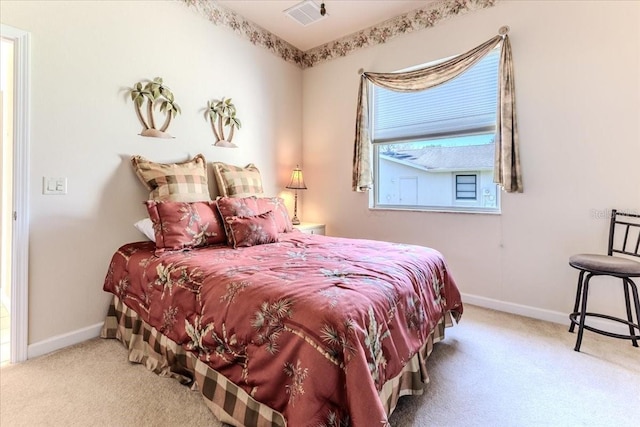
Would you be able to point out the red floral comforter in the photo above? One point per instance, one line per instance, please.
(311, 326)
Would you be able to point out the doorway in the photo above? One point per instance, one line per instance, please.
(14, 193)
(6, 190)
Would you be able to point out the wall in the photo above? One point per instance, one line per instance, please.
(577, 86)
(579, 127)
(84, 56)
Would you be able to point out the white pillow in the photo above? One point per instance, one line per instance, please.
(145, 226)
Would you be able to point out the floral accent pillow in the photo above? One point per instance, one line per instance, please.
(280, 213)
(177, 182)
(250, 206)
(252, 230)
(183, 225)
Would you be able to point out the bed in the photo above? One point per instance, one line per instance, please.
(309, 330)
(272, 326)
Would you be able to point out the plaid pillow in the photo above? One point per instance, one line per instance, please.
(177, 182)
(234, 181)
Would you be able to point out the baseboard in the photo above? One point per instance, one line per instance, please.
(540, 313)
(61, 341)
(75, 337)
(522, 310)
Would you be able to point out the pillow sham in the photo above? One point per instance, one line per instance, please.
(234, 181)
(183, 225)
(276, 204)
(145, 226)
(253, 230)
(177, 182)
(248, 206)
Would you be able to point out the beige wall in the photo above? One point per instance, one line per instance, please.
(579, 129)
(84, 55)
(577, 83)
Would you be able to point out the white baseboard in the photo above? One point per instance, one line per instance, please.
(541, 313)
(65, 340)
(513, 308)
(75, 337)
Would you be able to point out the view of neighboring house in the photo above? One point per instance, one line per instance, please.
(439, 175)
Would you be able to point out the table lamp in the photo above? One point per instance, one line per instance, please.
(297, 183)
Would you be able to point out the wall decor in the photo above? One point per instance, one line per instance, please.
(222, 114)
(155, 94)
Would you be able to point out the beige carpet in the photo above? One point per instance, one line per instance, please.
(493, 369)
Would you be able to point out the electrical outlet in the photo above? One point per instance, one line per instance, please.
(56, 186)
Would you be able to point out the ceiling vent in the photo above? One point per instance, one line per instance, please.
(305, 13)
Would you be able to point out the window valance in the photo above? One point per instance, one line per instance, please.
(507, 173)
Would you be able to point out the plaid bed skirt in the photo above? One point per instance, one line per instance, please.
(228, 402)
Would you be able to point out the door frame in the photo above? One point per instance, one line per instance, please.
(20, 232)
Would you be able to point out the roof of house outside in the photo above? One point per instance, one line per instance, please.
(443, 158)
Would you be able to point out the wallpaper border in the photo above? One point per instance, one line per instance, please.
(409, 22)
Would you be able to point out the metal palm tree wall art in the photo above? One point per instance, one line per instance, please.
(155, 94)
(221, 114)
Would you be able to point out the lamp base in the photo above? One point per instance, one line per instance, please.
(295, 220)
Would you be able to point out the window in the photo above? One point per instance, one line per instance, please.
(466, 187)
(442, 138)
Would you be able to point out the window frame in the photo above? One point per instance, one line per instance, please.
(457, 205)
(456, 175)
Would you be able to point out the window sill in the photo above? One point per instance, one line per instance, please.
(453, 210)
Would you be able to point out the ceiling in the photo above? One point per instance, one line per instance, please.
(344, 17)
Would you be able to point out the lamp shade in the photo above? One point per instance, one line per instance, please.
(297, 181)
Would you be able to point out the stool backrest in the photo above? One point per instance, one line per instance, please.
(624, 233)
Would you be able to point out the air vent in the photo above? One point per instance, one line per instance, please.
(305, 13)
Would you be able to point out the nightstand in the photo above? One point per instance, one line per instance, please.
(310, 228)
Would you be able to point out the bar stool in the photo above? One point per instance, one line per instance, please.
(590, 265)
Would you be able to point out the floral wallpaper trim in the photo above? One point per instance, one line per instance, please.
(415, 20)
(257, 35)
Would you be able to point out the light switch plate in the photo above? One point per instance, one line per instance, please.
(54, 185)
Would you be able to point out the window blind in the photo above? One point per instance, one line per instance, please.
(465, 105)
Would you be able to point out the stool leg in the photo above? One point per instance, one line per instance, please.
(636, 301)
(578, 295)
(632, 331)
(583, 311)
